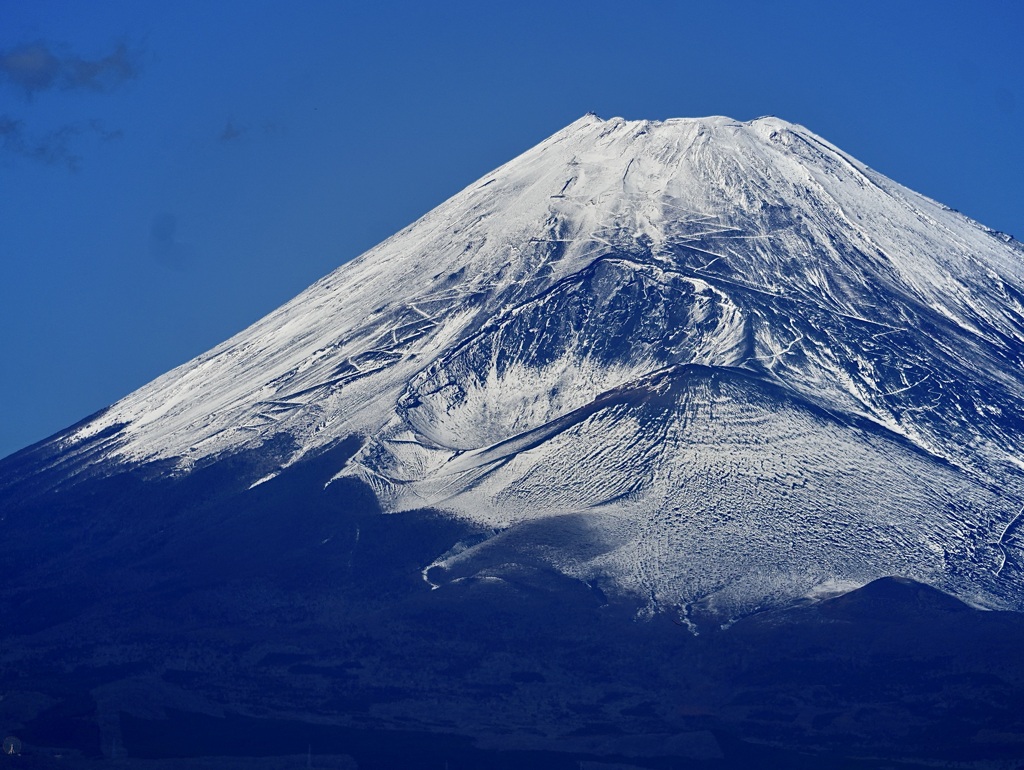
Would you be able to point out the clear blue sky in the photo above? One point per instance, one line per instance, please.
(170, 172)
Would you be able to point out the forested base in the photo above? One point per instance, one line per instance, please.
(152, 619)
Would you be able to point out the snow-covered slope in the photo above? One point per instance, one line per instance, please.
(742, 362)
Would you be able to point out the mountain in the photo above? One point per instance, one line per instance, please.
(744, 363)
(644, 378)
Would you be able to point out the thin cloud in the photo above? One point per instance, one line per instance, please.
(53, 148)
(232, 132)
(103, 74)
(33, 67)
(40, 66)
(164, 244)
(37, 67)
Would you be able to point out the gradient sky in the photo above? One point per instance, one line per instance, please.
(170, 172)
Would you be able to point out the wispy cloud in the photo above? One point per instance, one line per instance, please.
(36, 67)
(164, 243)
(232, 131)
(39, 66)
(53, 148)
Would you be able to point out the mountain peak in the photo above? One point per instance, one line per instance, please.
(593, 120)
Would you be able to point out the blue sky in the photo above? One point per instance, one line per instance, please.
(170, 172)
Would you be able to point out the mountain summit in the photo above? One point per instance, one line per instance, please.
(709, 364)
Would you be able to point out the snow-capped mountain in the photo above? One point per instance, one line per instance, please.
(711, 364)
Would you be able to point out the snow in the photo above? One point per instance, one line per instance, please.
(757, 364)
